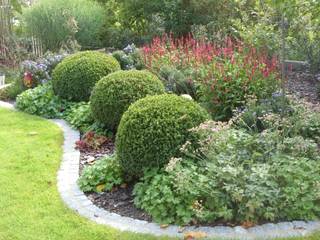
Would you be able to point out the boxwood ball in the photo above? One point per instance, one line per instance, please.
(153, 129)
(114, 93)
(74, 78)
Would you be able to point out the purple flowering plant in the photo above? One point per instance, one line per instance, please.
(40, 70)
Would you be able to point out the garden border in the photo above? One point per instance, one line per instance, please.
(75, 199)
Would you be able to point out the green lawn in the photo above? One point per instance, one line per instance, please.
(30, 206)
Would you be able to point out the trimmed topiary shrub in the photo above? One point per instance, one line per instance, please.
(153, 129)
(113, 94)
(74, 78)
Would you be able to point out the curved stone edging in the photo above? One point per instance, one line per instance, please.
(77, 200)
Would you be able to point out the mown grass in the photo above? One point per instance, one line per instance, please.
(30, 206)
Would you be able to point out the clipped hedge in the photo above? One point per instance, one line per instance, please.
(153, 129)
(74, 78)
(113, 94)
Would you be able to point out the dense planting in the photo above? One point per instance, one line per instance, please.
(237, 175)
(221, 78)
(153, 129)
(41, 101)
(113, 94)
(74, 78)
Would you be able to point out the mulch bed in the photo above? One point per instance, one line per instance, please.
(304, 85)
(120, 200)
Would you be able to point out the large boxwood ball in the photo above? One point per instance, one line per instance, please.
(114, 93)
(74, 78)
(153, 129)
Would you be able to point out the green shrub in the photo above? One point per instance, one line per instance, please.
(74, 78)
(153, 129)
(113, 94)
(41, 101)
(103, 175)
(236, 177)
(80, 116)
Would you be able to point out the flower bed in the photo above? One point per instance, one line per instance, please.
(260, 164)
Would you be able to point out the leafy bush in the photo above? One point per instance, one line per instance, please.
(74, 78)
(103, 175)
(80, 116)
(113, 94)
(153, 129)
(221, 78)
(129, 58)
(61, 22)
(236, 177)
(41, 101)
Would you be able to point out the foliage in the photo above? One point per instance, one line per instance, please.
(220, 77)
(64, 23)
(74, 78)
(284, 114)
(142, 20)
(10, 73)
(12, 91)
(103, 175)
(79, 116)
(129, 58)
(239, 177)
(41, 101)
(113, 94)
(153, 129)
(176, 81)
(157, 195)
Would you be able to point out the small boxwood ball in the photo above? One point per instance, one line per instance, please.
(114, 93)
(74, 78)
(153, 129)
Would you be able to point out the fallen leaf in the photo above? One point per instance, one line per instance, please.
(164, 225)
(100, 187)
(247, 224)
(195, 235)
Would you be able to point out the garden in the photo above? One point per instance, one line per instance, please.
(195, 116)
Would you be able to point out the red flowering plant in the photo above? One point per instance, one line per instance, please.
(218, 77)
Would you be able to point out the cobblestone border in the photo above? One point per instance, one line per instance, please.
(75, 199)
